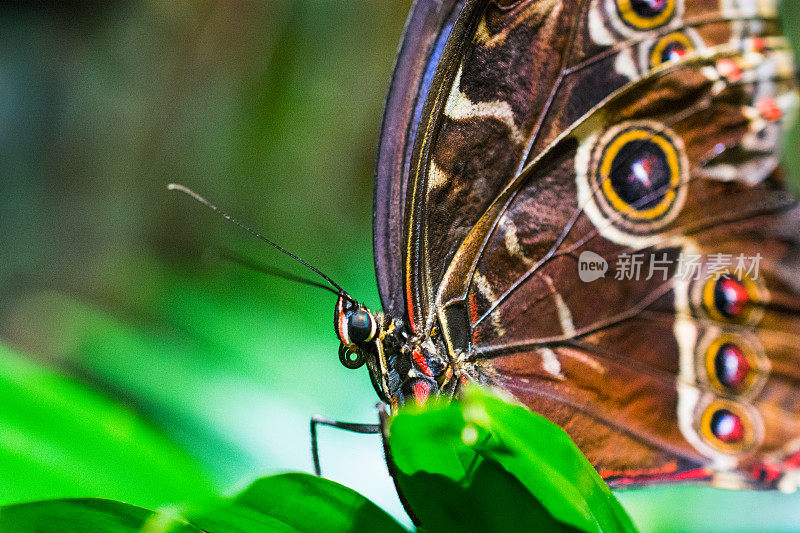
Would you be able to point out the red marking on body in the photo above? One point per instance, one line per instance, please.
(729, 69)
(419, 358)
(769, 109)
(421, 390)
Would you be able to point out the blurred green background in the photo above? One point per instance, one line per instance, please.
(270, 109)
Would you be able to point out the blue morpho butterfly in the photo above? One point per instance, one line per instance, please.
(581, 203)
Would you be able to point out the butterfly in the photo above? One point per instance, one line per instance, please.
(581, 203)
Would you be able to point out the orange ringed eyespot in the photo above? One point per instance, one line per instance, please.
(640, 172)
(669, 48)
(646, 14)
(727, 427)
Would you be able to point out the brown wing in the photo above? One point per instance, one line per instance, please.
(603, 127)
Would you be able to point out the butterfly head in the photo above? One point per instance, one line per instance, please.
(402, 367)
(363, 336)
(357, 329)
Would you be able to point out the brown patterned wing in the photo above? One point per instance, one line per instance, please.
(561, 135)
(512, 76)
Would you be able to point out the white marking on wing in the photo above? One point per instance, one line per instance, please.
(625, 65)
(597, 28)
(564, 314)
(550, 363)
(460, 107)
(436, 176)
(486, 290)
(511, 240)
(586, 359)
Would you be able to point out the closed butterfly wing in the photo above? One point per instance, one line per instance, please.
(428, 26)
(584, 206)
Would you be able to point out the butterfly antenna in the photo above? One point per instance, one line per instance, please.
(255, 266)
(226, 216)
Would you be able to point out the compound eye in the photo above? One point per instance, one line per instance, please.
(361, 326)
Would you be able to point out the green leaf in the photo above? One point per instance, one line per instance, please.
(88, 515)
(298, 502)
(60, 440)
(494, 466)
(287, 502)
(488, 499)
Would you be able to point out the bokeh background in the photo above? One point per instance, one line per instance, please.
(111, 284)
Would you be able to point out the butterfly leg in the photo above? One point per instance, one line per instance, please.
(353, 427)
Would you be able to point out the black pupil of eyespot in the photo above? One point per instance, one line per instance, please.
(730, 297)
(727, 426)
(640, 174)
(359, 326)
(672, 52)
(649, 8)
(731, 365)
